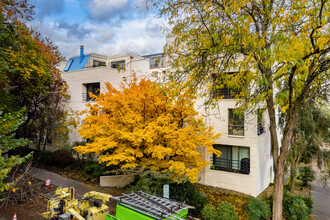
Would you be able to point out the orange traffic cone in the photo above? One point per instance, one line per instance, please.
(14, 218)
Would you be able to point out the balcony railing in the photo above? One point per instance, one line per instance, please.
(225, 93)
(237, 166)
(260, 128)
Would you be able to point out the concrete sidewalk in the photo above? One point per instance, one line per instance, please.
(58, 180)
(80, 188)
(321, 199)
(320, 196)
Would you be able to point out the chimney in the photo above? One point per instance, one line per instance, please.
(81, 53)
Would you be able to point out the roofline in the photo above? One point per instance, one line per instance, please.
(123, 55)
(90, 54)
(154, 54)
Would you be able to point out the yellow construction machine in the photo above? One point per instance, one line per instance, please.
(65, 206)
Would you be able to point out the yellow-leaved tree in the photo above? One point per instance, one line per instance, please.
(141, 126)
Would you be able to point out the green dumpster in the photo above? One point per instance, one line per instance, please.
(142, 206)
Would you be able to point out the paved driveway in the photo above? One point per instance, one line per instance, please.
(321, 199)
(320, 196)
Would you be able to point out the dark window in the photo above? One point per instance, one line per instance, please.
(232, 159)
(261, 122)
(118, 64)
(93, 88)
(225, 93)
(156, 62)
(97, 63)
(235, 123)
(221, 90)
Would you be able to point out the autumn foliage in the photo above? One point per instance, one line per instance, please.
(141, 126)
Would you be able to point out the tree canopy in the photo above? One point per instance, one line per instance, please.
(28, 74)
(274, 52)
(9, 123)
(141, 126)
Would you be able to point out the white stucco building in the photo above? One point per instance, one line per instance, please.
(246, 161)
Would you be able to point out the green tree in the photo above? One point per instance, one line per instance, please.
(310, 131)
(272, 51)
(28, 75)
(9, 123)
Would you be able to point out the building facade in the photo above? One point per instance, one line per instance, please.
(246, 162)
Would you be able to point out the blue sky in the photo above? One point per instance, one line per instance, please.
(103, 26)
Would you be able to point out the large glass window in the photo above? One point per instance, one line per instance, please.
(232, 159)
(156, 62)
(221, 90)
(97, 63)
(93, 88)
(235, 123)
(118, 64)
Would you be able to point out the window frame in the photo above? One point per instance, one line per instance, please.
(232, 125)
(120, 63)
(95, 91)
(230, 165)
(261, 121)
(68, 65)
(157, 62)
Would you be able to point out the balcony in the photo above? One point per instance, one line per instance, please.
(236, 166)
(225, 93)
(260, 128)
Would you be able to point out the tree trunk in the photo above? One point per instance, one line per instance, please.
(45, 141)
(278, 193)
(293, 172)
(279, 171)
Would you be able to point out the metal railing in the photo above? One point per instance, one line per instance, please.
(225, 93)
(156, 65)
(236, 166)
(260, 128)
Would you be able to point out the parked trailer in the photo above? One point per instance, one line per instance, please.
(143, 206)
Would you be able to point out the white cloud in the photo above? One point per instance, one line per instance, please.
(103, 10)
(141, 36)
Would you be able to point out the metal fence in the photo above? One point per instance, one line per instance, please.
(237, 166)
(225, 93)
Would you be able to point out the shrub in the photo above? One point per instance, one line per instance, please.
(209, 212)
(257, 209)
(309, 203)
(217, 195)
(306, 174)
(187, 192)
(294, 207)
(62, 158)
(226, 211)
(95, 169)
(150, 182)
(44, 157)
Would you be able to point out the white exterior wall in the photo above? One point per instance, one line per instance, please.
(77, 79)
(260, 158)
(218, 119)
(265, 159)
